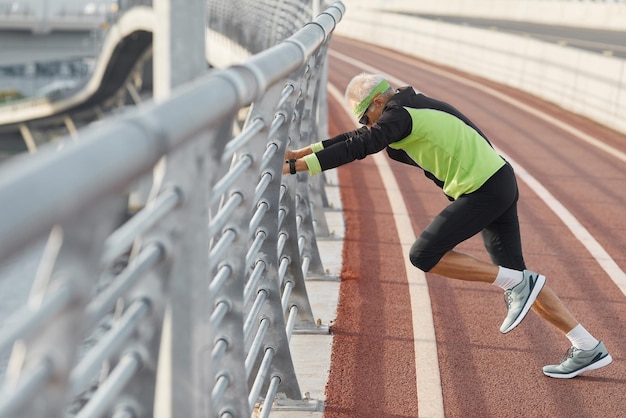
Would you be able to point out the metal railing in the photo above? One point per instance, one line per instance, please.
(256, 25)
(185, 308)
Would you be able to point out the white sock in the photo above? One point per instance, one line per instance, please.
(581, 338)
(508, 278)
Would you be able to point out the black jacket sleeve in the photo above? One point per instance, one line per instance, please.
(394, 124)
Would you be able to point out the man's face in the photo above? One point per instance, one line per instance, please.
(373, 112)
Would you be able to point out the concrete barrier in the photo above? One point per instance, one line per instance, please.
(608, 14)
(583, 82)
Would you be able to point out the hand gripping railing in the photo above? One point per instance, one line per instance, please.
(186, 308)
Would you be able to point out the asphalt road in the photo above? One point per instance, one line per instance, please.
(482, 372)
(607, 42)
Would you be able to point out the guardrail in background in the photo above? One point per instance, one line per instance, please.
(211, 287)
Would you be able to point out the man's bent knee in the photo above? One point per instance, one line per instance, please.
(423, 257)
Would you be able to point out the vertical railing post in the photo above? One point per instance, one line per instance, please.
(179, 57)
(305, 133)
(320, 132)
(276, 107)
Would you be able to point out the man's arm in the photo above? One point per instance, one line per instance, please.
(349, 146)
(318, 146)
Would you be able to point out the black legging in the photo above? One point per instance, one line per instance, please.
(490, 210)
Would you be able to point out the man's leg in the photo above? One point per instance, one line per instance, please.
(460, 266)
(503, 243)
(434, 252)
(586, 353)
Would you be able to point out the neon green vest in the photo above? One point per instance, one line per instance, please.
(451, 150)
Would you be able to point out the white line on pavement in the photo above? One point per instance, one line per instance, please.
(429, 392)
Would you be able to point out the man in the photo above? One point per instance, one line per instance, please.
(457, 156)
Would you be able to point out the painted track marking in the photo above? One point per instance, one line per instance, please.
(430, 397)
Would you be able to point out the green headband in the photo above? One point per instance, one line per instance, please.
(382, 87)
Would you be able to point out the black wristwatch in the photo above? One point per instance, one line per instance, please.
(292, 165)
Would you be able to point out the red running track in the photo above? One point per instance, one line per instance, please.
(483, 373)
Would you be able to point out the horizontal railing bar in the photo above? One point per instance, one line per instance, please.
(282, 213)
(222, 245)
(107, 345)
(229, 179)
(32, 380)
(123, 237)
(28, 319)
(266, 179)
(102, 398)
(301, 244)
(240, 140)
(269, 153)
(221, 309)
(287, 91)
(282, 240)
(284, 300)
(278, 121)
(269, 397)
(306, 262)
(254, 313)
(131, 144)
(291, 321)
(255, 247)
(147, 258)
(253, 280)
(221, 217)
(285, 94)
(255, 347)
(282, 269)
(260, 377)
(222, 275)
(220, 387)
(260, 211)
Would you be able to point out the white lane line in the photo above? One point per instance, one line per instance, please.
(430, 398)
(578, 230)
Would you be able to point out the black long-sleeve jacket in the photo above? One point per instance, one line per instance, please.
(394, 125)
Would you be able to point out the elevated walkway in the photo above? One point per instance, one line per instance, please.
(127, 42)
(122, 76)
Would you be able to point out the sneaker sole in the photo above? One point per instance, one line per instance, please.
(541, 281)
(603, 362)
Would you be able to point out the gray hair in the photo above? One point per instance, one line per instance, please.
(361, 86)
